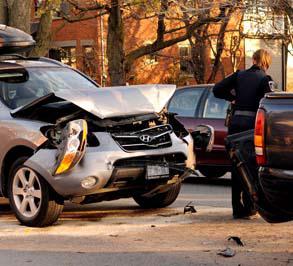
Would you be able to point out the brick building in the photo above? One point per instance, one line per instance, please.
(83, 45)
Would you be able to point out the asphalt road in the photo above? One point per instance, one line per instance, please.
(119, 233)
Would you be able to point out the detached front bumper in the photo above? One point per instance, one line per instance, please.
(102, 162)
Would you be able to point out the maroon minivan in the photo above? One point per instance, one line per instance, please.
(197, 105)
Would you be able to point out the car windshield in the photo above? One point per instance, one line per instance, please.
(41, 82)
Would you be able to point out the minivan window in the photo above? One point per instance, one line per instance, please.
(41, 82)
(215, 107)
(185, 102)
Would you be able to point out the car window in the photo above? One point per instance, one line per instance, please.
(41, 82)
(185, 102)
(214, 107)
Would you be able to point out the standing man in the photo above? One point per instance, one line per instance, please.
(244, 89)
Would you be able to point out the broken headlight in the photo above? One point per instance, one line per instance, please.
(72, 146)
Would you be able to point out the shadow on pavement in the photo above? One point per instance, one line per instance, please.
(208, 181)
(5, 209)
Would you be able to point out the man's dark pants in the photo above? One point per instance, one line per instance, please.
(241, 202)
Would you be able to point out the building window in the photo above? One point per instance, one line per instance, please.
(55, 54)
(90, 64)
(66, 55)
(151, 59)
(37, 4)
(260, 19)
(185, 63)
(63, 9)
(88, 53)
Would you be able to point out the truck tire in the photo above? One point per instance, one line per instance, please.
(31, 198)
(212, 172)
(160, 200)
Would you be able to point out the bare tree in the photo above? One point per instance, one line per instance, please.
(171, 27)
(3, 12)
(228, 11)
(176, 21)
(115, 44)
(229, 40)
(16, 13)
(202, 39)
(44, 31)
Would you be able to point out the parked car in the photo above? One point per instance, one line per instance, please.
(196, 105)
(64, 138)
(269, 147)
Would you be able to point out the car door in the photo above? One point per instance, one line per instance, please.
(213, 113)
(197, 105)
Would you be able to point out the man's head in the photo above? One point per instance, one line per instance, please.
(262, 58)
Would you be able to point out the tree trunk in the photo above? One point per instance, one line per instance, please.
(44, 36)
(115, 45)
(199, 53)
(19, 14)
(3, 12)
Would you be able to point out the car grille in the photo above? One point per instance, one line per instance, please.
(151, 138)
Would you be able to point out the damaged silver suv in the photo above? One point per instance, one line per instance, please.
(65, 138)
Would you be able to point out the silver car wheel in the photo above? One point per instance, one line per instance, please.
(26, 190)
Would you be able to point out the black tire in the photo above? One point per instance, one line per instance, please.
(212, 172)
(160, 200)
(50, 205)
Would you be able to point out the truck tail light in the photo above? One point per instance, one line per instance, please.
(259, 137)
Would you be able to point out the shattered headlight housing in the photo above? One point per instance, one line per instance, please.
(72, 147)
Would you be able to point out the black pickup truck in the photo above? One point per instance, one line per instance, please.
(264, 157)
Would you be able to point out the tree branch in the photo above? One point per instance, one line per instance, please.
(161, 44)
(220, 44)
(95, 6)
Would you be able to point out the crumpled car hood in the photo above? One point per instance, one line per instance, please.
(117, 101)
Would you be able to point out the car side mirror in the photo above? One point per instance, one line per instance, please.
(203, 137)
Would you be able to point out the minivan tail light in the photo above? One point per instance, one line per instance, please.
(259, 141)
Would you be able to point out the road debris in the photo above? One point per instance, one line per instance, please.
(228, 252)
(189, 208)
(237, 240)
